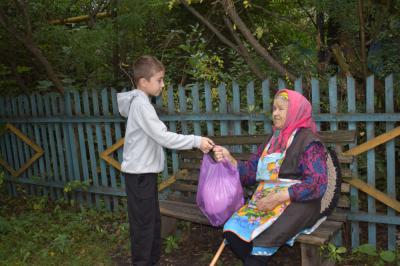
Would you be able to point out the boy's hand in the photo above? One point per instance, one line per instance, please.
(206, 144)
(221, 153)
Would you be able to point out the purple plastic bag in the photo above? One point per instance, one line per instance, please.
(220, 192)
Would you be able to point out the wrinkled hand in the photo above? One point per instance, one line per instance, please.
(206, 144)
(221, 153)
(269, 202)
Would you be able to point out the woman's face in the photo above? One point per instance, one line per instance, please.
(279, 112)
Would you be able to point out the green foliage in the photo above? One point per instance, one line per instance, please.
(76, 184)
(365, 254)
(171, 243)
(56, 234)
(85, 55)
(334, 253)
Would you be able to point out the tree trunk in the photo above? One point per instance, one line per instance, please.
(230, 10)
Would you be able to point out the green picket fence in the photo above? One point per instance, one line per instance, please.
(73, 129)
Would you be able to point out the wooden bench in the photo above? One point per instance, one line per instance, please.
(181, 200)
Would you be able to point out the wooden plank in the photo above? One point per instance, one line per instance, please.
(374, 142)
(373, 192)
(371, 158)
(298, 85)
(72, 147)
(53, 151)
(100, 147)
(172, 125)
(310, 255)
(351, 108)
(223, 108)
(82, 144)
(196, 108)
(37, 140)
(281, 84)
(118, 133)
(237, 128)
(315, 99)
(390, 160)
(107, 130)
(209, 108)
(184, 187)
(379, 218)
(23, 103)
(189, 212)
(266, 105)
(3, 146)
(19, 147)
(182, 107)
(251, 105)
(55, 99)
(333, 107)
(159, 105)
(91, 147)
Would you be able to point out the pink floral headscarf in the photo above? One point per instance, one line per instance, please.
(299, 115)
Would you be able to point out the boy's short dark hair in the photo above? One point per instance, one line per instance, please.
(145, 67)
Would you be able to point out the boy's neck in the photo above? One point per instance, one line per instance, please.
(141, 89)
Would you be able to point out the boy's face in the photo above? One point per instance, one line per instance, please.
(154, 86)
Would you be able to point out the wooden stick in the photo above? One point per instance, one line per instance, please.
(219, 252)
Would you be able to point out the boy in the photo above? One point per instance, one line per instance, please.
(143, 158)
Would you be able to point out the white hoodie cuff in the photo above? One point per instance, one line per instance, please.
(197, 141)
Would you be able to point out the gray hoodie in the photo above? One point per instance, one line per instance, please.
(146, 135)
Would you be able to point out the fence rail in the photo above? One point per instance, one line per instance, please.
(75, 129)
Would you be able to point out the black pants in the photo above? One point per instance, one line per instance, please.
(144, 218)
(243, 249)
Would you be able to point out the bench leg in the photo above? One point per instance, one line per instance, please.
(310, 255)
(168, 226)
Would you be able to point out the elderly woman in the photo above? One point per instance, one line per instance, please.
(294, 158)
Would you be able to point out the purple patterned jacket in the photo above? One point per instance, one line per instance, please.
(312, 164)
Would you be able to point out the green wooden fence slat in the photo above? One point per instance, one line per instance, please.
(118, 134)
(33, 100)
(190, 117)
(14, 139)
(266, 105)
(298, 85)
(100, 147)
(281, 84)
(196, 108)
(209, 107)
(107, 130)
(172, 126)
(223, 108)
(351, 108)
(82, 144)
(251, 105)
(237, 129)
(92, 153)
(22, 107)
(333, 106)
(371, 158)
(20, 144)
(159, 104)
(334, 126)
(54, 174)
(390, 161)
(5, 147)
(73, 152)
(182, 107)
(315, 99)
(55, 100)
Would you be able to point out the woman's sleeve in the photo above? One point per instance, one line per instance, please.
(314, 180)
(248, 169)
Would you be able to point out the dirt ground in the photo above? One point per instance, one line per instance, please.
(199, 244)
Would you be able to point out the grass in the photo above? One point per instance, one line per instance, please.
(35, 231)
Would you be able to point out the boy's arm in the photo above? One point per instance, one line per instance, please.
(146, 117)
